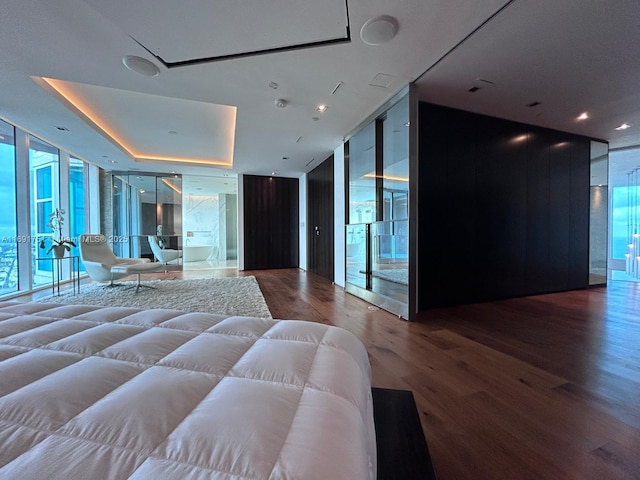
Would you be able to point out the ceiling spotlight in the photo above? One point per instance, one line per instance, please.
(379, 30)
(281, 102)
(140, 65)
(273, 174)
(321, 108)
(624, 126)
(583, 116)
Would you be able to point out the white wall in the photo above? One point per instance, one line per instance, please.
(303, 222)
(339, 273)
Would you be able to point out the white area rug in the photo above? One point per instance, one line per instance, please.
(226, 296)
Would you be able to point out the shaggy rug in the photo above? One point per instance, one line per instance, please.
(225, 296)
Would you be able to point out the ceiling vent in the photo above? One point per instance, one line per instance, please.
(382, 80)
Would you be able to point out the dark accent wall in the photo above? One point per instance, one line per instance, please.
(320, 220)
(503, 208)
(271, 222)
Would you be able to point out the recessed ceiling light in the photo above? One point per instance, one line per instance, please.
(140, 65)
(624, 126)
(62, 129)
(583, 116)
(321, 108)
(273, 85)
(112, 161)
(273, 173)
(281, 102)
(315, 119)
(172, 132)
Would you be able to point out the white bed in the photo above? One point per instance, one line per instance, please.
(116, 393)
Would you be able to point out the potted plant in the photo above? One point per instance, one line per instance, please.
(58, 244)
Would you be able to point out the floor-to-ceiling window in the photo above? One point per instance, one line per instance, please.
(624, 180)
(45, 194)
(77, 194)
(8, 226)
(33, 173)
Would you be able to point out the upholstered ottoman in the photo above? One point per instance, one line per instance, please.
(137, 269)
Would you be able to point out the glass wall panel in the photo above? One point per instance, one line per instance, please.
(390, 267)
(8, 227)
(144, 205)
(362, 201)
(599, 213)
(44, 174)
(121, 209)
(362, 176)
(169, 210)
(377, 234)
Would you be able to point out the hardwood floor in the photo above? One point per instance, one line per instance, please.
(543, 387)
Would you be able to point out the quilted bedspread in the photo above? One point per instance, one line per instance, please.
(117, 393)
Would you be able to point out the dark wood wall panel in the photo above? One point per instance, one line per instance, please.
(503, 208)
(271, 222)
(320, 220)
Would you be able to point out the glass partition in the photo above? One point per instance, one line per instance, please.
(377, 231)
(356, 253)
(599, 213)
(144, 205)
(362, 176)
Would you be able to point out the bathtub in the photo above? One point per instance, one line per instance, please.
(196, 253)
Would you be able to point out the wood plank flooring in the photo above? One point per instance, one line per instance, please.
(543, 387)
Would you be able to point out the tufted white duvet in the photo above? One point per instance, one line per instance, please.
(116, 393)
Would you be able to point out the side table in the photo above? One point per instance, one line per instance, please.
(56, 272)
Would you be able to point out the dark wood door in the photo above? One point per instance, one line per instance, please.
(320, 220)
(271, 222)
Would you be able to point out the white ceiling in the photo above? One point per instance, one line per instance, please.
(570, 55)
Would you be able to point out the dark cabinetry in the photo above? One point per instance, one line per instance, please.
(503, 208)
